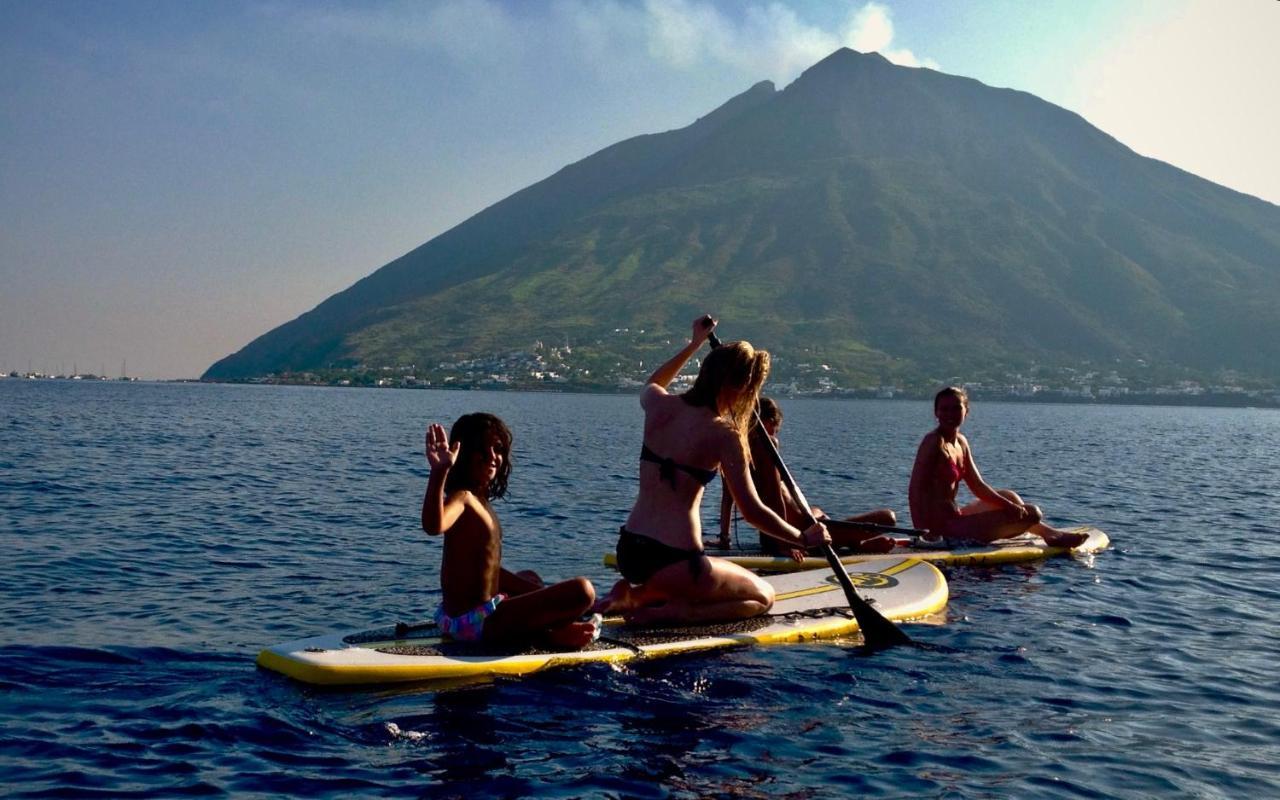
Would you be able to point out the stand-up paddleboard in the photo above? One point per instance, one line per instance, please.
(1016, 550)
(809, 605)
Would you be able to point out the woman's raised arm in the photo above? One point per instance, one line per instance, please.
(665, 374)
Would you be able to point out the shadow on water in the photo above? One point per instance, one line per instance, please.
(915, 644)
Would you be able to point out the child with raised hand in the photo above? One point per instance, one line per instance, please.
(482, 601)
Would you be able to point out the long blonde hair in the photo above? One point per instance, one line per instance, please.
(735, 369)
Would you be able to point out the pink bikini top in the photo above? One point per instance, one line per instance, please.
(950, 470)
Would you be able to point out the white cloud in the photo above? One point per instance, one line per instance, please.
(684, 33)
(767, 40)
(869, 29)
(782, 44)
(761, 40)
(906, 58)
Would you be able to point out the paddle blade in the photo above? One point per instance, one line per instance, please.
(878, 632)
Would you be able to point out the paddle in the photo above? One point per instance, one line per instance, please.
(876, 527)
(878, 632)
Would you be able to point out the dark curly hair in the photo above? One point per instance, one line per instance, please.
(473, 431)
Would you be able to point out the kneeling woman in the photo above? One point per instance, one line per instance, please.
(942, 462)
(666, 576)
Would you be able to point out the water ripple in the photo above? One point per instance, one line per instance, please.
(157, 536)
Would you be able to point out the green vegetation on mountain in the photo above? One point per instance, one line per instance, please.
(890, 223)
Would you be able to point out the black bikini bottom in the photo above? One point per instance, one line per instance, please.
(641, 556)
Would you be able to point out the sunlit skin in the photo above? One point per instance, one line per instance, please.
(773, 492)
(995, 514)
(471, 569)
(705, 438)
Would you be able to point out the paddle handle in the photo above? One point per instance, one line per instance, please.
(711, 337)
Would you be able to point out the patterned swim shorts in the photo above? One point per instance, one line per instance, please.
(469, 625)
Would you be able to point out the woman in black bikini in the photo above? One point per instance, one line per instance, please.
(666, 576)
(943, 462)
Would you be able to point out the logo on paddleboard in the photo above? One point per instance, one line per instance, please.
(867, 580)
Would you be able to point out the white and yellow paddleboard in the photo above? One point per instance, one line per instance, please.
(809, 605)
(1017, 550)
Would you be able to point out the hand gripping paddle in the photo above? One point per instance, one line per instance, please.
(878, 632)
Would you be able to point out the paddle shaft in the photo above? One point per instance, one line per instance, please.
(877, 631)
(799, 495)
(876, 527)
(854, 525)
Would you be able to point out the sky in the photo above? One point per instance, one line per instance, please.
(177, 178)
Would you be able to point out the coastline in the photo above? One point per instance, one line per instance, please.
(1204, 399)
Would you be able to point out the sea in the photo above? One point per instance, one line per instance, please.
(156, 536)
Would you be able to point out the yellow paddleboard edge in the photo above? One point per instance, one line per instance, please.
(917, 589)
(1015, 551)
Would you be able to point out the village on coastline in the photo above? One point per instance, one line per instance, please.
(471, 375)
(565, 368)
(72, 376)
(562, 368)
(553, 369)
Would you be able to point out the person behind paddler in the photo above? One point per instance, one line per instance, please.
(945, 460)
(773, 492)
(666, 576)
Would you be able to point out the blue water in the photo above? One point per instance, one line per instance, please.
(155, 537)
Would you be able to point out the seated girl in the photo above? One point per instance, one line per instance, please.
(943, 461)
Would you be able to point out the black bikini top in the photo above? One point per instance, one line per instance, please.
(667, 468)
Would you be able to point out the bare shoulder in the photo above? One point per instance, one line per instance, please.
(651, 394)
(477, 516)
(931, 442)
(461, 496)
(726, 437)
(465, 498)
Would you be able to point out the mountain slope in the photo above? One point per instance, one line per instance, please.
(889, 220)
